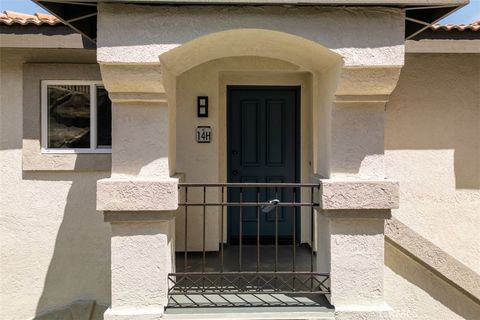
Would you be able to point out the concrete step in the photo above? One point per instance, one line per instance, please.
(251, 313)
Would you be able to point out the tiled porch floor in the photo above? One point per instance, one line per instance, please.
(249, 302)
(249, 259)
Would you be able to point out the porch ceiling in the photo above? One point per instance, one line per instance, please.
(81, 15)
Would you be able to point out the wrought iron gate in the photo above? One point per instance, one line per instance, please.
(249, 277)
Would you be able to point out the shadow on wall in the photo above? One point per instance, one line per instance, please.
(80, 264)
(410, 303)
(436, 108)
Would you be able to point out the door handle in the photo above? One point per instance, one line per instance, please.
(271, 204)
(234, 172)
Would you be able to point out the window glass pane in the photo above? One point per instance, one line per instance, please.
(104, 118)
(68, 116)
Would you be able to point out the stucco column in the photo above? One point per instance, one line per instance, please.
(356, 198)
(141, 196)
(357, 132)
(142, 253)
(143, 142)
(357, 264)
(351, 244)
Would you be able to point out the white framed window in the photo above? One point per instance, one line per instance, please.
(76, 117)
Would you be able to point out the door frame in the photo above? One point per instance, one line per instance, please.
(297, 123)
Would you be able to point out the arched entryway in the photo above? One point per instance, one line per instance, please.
(305, 56)
(145, 78)
(266, 93)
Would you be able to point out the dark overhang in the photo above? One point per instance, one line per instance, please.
(81, 15)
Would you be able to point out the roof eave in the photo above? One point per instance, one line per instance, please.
(398, 3)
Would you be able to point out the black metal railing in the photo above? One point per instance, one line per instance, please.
(253, 260)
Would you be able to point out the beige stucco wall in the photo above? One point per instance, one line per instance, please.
(363, 36)
(432, 142)
(54, 246)
(414, 292)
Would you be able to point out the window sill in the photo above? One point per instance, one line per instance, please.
(76, 151)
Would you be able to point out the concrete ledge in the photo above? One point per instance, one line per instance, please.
(358, 194)
(137, 195)
(433, 258)
(272, 315)
(133, 314)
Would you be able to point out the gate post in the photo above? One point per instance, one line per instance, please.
(140, 198)
(143, 254)
(356, 198)
(350, 243)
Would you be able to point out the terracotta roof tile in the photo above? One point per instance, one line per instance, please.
(474, 26)
(11, 17)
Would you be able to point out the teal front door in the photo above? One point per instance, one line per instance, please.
(263, 146)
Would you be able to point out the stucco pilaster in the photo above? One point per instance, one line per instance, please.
(140, 117)
(141, 141)
(356, 261)
(352, 246)
(350, 237)
(140, 196)
(142, 251)
(358, 121)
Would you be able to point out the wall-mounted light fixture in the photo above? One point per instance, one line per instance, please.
(202, 107)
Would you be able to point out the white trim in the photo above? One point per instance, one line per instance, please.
(80, 150)
(44, 115)
(93, 117)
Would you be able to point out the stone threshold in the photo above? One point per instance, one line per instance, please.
(251, 313)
